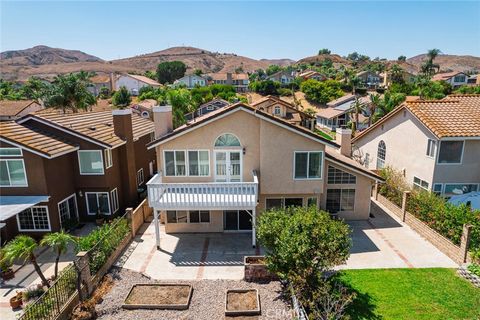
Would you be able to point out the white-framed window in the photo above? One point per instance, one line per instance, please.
(90, 162)
(437, 188)
(67, 209)
(367, 160)
(340, 200)
(114, 195)
(194, 216)
(97, 202)
(210, 108)
(337, 176)
(140, 177)
(193, 163)
(280, 203)
(227, 140)
(420, 184)
(453, 189)
(381, 154)
(308, 164)
(12, 173)
(10, 152)
(108, 158)
(34, 219)
(431, 146)
(277, 111)
(451, 152)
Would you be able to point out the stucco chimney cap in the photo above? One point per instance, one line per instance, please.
(343, 131)
(162, 109)
(121, 112)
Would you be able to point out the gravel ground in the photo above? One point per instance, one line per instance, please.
(208, 299)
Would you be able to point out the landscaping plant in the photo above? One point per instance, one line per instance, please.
(59, 242)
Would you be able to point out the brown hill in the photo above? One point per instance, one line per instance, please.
(335, 58)
(449, 62)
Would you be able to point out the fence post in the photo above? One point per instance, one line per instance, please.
(129, 216)
(464, 242)
(377, 186)
(406, 195)
(83, 269)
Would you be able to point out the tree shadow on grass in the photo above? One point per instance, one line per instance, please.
(362, 307)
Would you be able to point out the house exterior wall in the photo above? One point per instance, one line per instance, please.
(398, 133)
(133, 85)
(191, 81)
(457, 83)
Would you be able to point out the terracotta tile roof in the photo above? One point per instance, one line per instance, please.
(35, 140)
(97, 126)
(445, 75)
(274, 100)
(147, 80)
(100, 79)
(223, 76)
(12, 108)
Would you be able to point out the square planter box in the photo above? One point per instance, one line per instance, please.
(255, 269)
(159, 296)
(244, 302)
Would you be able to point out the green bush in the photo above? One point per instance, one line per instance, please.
(474, 268)
(321, 92)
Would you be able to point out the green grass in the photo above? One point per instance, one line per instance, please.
(323, 134)
(411, 294)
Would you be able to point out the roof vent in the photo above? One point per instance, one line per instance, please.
(108, 124)
(92, 128)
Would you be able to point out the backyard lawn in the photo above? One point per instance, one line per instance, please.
(412, 294)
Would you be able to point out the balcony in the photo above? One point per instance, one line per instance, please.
(202, 196)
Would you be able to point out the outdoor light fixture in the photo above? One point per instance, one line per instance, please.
(244, 150)
(80, 194)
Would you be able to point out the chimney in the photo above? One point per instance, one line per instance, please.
(163, 119)
(343, 137)
(229, 78)
(122, 127)
(112, 82)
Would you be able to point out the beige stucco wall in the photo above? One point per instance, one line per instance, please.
(466, 172)
(406, 145)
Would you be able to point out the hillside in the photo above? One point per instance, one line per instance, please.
(449, 62)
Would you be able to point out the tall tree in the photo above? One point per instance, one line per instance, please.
(23, 247)
(169, 71)
(34, 88)
(59, 242)
(70, 92)
(121, 98)
(181, 102)
(357, 108)
(386, 104)
(428, 67)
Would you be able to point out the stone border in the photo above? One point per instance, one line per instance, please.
(467, 275)
(184, 306)
(254, 272)
(252, 312)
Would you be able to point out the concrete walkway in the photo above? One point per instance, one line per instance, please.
(386, 242)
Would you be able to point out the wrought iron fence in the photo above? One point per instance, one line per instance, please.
(49, 304)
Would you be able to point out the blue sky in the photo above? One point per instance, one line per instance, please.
(269, 29)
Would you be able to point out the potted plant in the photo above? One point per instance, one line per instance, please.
(99, 218)
(6, 267)
(16, 301)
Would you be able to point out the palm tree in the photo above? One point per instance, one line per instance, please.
(386, 104)
(23, 247)
(58, 241)
(357, 108)
(121, 98)
(70, 92)
(375, 101)
(429, 67)
(354, 82)
(396, 74)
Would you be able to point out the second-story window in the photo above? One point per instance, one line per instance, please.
(381, 154)
(277, 111)
(90, 162)
(198, 163)
(12, 173)
(431, 148)
(450, 152)
(193, 163)
(308, 164)
(108, 158)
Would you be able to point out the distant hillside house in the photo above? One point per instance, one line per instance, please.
(337, 113)
(283, 77)
(99, 82)
(12, 110)
(405, 75)
(134, 83)
(239, 81)
(208, 107)
(191, 81)
(370, 79)
(455, 79)
(311, 74)
(473, 80)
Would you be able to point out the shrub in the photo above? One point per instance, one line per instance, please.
(321, 92)
(265, 87)
(474, 268)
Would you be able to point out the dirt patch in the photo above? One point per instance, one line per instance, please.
(255, 260)
(239, 301)
(160, 294)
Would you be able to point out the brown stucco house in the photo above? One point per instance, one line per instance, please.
(58, 169)
(217, 173)
(434, 143)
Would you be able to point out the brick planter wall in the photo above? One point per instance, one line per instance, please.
(257, 272)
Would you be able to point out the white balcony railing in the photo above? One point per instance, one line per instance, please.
(202, 196)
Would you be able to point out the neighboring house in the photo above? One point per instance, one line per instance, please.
(279, 108)
(191, 81)
(239, 81)
(99, 82)
(370, 79)
(473, 80)
(337, 113)
(205, 108)
(455, 79)
(134, 83)
(58, 169)
(311, 74)
(405, 75)
(15, 109)
(284, 77)
(219, 173)
(436, 144)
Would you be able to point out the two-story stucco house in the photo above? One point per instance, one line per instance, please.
(191, 81)
(217, 173)
(134, 83)
(284, 77)
(58, 169)
(436, 144)
(455, 79)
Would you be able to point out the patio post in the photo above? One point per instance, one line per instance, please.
(254, 236)
(157, 227)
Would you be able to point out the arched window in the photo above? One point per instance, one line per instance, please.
(227, 140)
(381, 153)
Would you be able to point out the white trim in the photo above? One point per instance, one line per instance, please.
(319, 139)
(450, 163)
(98, 205)
(162, 109)
(187, 163)
(115, 208)
(341, 190)
(444, 185)
(226, 147)
(35, 230)
(420, 185)
(121, 112)
(308, 162)
(282, 200)
(37, 152)
(433, 150)
(14, 155)
(352, 169)
(90, 174)
(8, 170)
(73, 195)
(188, 217)
(227, 151)
(108, 156)
(139, 183)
